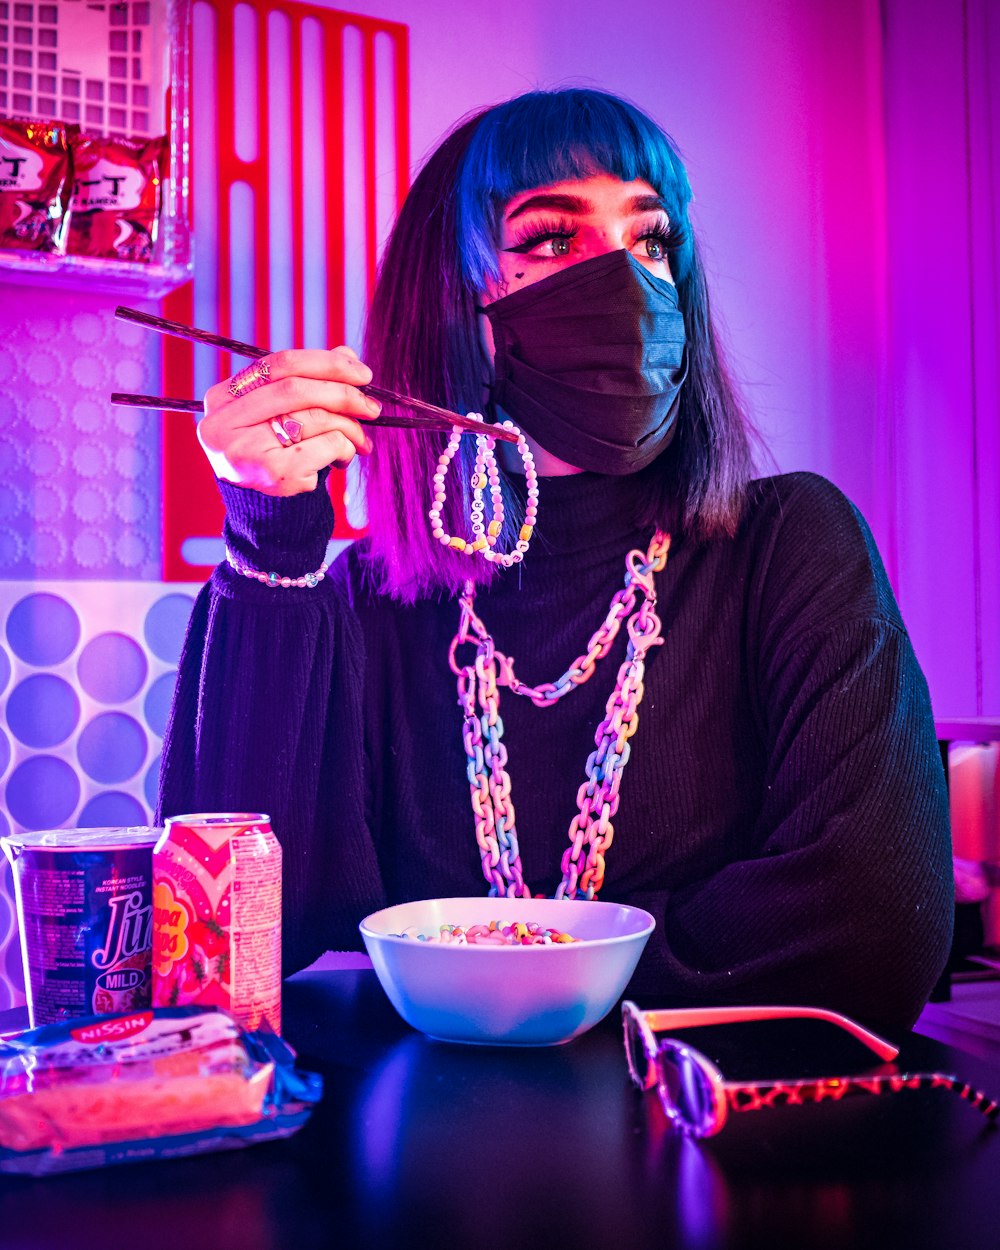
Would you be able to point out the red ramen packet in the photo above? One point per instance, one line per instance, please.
(117, 197)
(154, 1084)
(35, 184)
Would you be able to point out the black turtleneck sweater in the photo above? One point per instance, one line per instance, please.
(783, 813)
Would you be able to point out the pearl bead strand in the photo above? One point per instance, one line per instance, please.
(485, 475)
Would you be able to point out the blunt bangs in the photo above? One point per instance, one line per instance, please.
(546, 137)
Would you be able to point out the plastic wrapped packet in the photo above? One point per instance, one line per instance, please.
(154, 1084)
(117, 197)
(35, 184)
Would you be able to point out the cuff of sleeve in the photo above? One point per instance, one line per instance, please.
(288, 534)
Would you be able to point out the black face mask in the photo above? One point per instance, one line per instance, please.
(590, 362)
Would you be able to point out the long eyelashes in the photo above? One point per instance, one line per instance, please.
(541, 231)
(662, 233)
(676, 237)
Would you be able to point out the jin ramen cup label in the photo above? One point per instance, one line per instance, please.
(84, 909)
(217, 917)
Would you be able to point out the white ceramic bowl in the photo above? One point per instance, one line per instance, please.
(506, 995)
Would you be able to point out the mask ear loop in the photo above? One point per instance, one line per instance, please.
(490, 407)
(489, 382)
(485, 475)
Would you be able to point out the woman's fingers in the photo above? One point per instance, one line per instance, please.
(301, 424)
(293, 395)
(255, 458)
(274, 428)
(340, 366)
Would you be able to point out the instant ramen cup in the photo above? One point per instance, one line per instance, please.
(505, 995)
(84, 910)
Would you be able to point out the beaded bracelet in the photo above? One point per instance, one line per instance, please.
(308, 580)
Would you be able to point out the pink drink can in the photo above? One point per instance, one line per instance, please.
(84, 909)
(217, 916)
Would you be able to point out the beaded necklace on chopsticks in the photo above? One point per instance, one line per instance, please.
(591, 830)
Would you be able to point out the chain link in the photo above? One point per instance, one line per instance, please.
(591, 831)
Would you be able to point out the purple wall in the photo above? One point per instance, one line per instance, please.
(942, 66)
(840, 152)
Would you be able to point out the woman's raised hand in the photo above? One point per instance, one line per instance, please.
(277, 423)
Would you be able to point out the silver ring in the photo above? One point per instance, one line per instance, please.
(248, 379)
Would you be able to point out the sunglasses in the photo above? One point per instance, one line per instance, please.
(696, 1097)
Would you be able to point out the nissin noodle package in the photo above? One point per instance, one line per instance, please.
(117, 197)
(35, 184)
(156, 1084)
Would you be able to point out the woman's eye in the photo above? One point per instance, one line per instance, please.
(548, 245)
(656, 246)
(546, 240)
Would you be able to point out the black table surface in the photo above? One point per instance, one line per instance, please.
(423, 1144)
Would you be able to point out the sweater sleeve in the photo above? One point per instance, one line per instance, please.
(847, 901)
(267, 718)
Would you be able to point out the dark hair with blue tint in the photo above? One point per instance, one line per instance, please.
(423, 339)
(573, 134)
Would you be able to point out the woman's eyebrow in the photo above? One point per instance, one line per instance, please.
(647, 204)
(551, 199)
(577, 205)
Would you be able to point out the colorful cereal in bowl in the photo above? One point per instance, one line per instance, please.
(507, 992)
(517, 933)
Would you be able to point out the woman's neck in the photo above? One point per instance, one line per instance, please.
(546, 464)
(586, 515)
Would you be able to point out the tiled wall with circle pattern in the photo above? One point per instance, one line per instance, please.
(87, 672)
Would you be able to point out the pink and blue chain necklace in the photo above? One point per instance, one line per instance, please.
(591, 830)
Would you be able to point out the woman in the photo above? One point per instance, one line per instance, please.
(768, 769)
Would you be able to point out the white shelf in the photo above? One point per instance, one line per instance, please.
(100, 49)
(87, 273)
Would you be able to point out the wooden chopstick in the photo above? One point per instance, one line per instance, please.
(436, 418)
(157, 401)
(165, 404)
